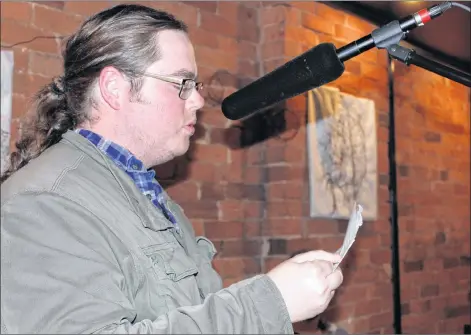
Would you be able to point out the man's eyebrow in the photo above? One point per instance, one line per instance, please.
(184, 73)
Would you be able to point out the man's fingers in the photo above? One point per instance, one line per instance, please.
(317, 255)
(335, 279)
(325, 267)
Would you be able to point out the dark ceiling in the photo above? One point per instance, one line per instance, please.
(446, 39)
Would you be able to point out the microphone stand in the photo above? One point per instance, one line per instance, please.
(388, 37)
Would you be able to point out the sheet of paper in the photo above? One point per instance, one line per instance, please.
(354, 224)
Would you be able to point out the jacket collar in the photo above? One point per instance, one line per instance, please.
(140, 205)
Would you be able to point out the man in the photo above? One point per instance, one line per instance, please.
(90, 241)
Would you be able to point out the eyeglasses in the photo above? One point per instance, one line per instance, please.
(186, 85)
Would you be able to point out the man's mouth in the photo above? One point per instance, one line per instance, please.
(190, 128)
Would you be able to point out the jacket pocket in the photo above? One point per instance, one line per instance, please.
(206, 248)
(170, 261)
(209, 280)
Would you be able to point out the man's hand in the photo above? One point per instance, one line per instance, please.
(307, 283)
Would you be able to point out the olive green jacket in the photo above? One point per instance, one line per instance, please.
(84, 251)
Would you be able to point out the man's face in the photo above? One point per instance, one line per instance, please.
(160, 122)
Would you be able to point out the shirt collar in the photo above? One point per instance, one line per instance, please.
(118, 154)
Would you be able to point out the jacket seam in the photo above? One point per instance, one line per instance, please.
(106, 162)
(256, 311)
(67, 170)
(276, 294)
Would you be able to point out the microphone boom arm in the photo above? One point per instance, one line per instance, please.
(409, 56)
(388, 37)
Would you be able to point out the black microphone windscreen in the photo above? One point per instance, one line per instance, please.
(316, 67)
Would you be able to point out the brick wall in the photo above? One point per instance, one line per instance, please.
(433, 156)
(253, 202)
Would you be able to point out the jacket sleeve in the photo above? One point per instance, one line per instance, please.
(60, 275)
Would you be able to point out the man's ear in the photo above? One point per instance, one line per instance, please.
(112, 84)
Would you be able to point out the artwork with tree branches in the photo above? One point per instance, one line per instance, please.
(342, 154)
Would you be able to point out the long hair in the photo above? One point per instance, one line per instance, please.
(123, 37)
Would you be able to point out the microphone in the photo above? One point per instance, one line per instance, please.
(318, 66)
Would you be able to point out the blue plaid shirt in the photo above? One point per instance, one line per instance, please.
(144, 179)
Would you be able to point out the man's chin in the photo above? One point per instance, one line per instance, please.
(183, 148)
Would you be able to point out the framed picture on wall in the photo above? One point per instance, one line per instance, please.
(342, 156)
(6, 107)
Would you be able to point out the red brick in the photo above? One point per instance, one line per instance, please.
(295, 33)
(186, 191)
(280, 173)
(228, 44)
(249, 68)
(277, 14)
(229, 10)
(29, 84)
(224, 230)
(329, 13)
(184, 12)
(238, 248)
(231, 210)
(284, 209)
(19, 106)
(216, 59)
(333, 313)
(368, 307)
(229, 267)
(351, 293)
(198, 226)
(272, 50)
(45, 64)
(91, 8)
(331, 243)
(18, 11)
(252, 175)
(52, 4)
(274, 33)
(21, 59)
(200, 209)
(13, 32)
(253, 210)
(285, 190)
(203, 5)
(210, 153)
(213, 22)
(273, 261)
(347, 34)
(305, 6)
(381, 256)
(247, 50)
(282, 227)
(317, 24)
(380, 320)
(52, 20)
(203, 37)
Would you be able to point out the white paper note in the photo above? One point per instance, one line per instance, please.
(354, 224)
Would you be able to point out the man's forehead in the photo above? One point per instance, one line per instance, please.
(177, 55)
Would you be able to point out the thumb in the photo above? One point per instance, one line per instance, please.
(317, 255)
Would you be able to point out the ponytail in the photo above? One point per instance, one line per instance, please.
(50, 119)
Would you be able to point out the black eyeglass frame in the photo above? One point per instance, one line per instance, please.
(179, 81)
